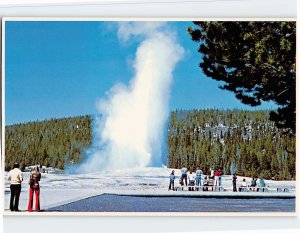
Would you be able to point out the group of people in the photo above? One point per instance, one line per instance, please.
(187, 178)
(190, 178)
(253, 184)
(16, 178)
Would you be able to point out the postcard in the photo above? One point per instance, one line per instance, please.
(147, 117)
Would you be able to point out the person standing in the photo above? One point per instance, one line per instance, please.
(34, 180)
(216, 177)
(198, 177)
(172, 179)
(15, 177)
(234, 178)
(191, 178)
(220, 173)
(184, 172)
(212, 173)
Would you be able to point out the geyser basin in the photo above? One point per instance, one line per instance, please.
(131, 128)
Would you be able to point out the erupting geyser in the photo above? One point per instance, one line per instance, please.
(133, 117)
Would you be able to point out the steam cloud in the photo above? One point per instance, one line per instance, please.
(133, 117)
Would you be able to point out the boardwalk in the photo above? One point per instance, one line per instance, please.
(118, 203)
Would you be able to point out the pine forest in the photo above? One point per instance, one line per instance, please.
(236, 141)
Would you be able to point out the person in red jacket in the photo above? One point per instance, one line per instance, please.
(218, 175)
(35, 177)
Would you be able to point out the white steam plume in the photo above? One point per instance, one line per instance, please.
(133, 116)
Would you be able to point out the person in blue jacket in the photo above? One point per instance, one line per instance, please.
(262, 182)
(172, 179)
(198, 177)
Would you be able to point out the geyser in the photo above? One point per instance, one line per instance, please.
(130, 131)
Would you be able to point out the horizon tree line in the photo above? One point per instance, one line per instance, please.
(236, 141)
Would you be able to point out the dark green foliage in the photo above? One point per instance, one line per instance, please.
(255, 60)
(244, 142)
(49, 143)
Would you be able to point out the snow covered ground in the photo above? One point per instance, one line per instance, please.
(58, 189)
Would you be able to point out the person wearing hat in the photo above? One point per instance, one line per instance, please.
(15, 177)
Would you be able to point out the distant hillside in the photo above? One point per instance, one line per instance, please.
(244, 142)
(50, 142)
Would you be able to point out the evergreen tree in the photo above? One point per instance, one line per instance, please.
(255, 60)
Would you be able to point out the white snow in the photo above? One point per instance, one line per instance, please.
(57, 189)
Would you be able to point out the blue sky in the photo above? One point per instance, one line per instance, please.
(61, 69)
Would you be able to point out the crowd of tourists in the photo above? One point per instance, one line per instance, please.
(214, 178)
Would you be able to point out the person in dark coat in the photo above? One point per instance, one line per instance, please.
(253, 183)
(234, 178)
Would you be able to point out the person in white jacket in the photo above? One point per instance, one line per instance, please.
(184, 172)
(191, 178)
(15, 177)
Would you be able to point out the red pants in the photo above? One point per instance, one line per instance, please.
(32, 189)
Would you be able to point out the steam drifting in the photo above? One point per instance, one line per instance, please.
(130, 130)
